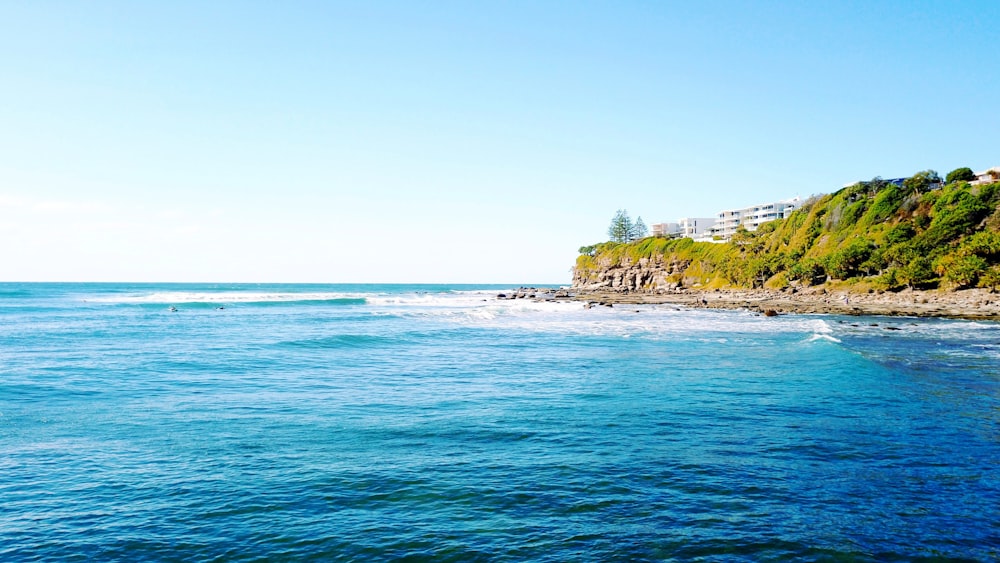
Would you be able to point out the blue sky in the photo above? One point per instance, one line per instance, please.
(453, 141)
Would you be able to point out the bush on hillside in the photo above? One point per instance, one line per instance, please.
(964, 174)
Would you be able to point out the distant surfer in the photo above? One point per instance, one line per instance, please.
(172, 309)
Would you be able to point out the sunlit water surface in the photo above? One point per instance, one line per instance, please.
(437, 423)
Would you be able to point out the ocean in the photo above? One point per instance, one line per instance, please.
(434, 422)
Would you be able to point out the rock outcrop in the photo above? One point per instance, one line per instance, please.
(649, 275)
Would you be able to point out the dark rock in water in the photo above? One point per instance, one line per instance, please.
(501, 296)
(892, 328)
(770, 313)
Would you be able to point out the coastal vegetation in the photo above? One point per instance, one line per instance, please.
(921, 233)
(623, 229)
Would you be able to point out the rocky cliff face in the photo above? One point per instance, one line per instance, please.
(650, 275)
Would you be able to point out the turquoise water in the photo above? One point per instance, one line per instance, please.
(368, 422)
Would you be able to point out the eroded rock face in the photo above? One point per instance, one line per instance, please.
(648, 275)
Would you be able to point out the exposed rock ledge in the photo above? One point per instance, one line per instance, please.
(977, 304)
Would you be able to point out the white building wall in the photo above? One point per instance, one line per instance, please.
(665, 229)
(751, 217)
(987, 176)
(695, 226)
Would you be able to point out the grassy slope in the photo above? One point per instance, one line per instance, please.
(881, 237)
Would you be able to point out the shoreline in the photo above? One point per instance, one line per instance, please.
(969, 304)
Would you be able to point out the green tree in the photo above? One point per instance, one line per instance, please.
(756, 271)
(874, 264)
(874, 186)
(990, 278)
(621, 228)
(983, 243)
(918, 272)
(960, 271)
(638, 230)
(809, 270)
(964, 174)
(900, 233)
(845, 262)
(921, 181)
(749, 242)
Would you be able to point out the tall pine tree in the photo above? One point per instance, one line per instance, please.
(621, 228)
(639, 230)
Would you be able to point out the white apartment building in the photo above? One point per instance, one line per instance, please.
(690, 227)
(752, 217)
(987, 176)
(665, 229)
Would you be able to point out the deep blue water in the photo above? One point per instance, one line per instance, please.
(335, 422)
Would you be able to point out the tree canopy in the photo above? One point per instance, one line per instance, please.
(922, 181)
(964, 174)
(623, 229)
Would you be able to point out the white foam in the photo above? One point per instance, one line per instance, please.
(946, 329)
(647, 321)
(225, 297)
(825, 337)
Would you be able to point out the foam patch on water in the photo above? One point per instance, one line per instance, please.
(626, 321)
(903, 327)
(825, 337)
(431, 300)
(167, 297)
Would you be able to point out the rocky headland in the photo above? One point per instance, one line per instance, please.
(916, 247)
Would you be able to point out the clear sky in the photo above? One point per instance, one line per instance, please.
(453, 141)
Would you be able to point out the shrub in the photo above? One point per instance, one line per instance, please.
(983, 243)
(964, 174)
(810, 271)
(845, 262)
(885, 204)
(875, 263)
(777, 281)
(902, 232)
(960, 271)
(919, 272)
(888, 280)
(921, 181)
(990, 278)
